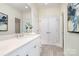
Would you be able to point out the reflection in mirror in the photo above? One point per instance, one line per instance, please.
(11, 25)
(17, 25)
(27, 22)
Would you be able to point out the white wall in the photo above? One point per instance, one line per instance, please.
(12, 13)
(71, 40)
(52, 11)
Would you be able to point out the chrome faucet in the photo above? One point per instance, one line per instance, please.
(19, 35)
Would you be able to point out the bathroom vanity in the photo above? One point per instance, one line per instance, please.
(27, 45)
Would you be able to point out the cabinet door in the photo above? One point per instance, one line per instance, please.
(34, 47)
(17, 52)
(37, 47)
(37, 51)
(34, 51)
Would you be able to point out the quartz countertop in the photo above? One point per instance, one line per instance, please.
(7, 46)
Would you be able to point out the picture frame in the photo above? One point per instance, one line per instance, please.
(3, 22)
(73, 18)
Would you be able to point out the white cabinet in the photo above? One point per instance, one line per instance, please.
(17, 52)
(35, 48)
(30, 49)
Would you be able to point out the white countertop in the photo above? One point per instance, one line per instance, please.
(7, 46)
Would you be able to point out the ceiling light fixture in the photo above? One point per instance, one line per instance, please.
(26, 7)
(46, 3)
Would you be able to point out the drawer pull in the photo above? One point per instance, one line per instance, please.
(35, 46)
(17, 55)
(27, 55)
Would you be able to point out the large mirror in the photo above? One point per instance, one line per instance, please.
(15, 18)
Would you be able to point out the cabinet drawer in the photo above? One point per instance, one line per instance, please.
(33, 48)
(32, 44)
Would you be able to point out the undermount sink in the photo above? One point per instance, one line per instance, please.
(28, 35)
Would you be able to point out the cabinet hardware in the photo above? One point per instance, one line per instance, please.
(17, 55)
(27, 55)
(35, 46)
(47, 32)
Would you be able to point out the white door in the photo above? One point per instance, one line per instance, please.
(44, 29)
(53, 35)
(49, 27)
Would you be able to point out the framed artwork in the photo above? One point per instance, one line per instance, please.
(73, 17)
(3, 22)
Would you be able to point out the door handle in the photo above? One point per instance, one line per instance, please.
(47, 32)
(35, 46)
(17, 55)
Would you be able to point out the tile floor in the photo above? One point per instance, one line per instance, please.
(51, 50)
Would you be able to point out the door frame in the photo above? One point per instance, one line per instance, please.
(62, 29)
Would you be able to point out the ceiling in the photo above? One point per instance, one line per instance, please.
(19, 6)
(47, 4)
